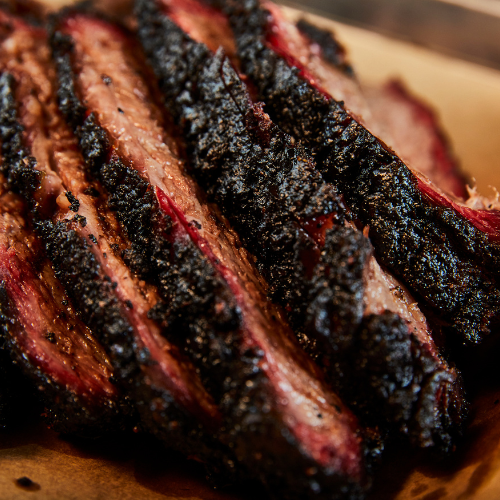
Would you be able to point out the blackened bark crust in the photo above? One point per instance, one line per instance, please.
(18, 166)
(201, 314)
(447, 262)
(268, 187)
(331, 50)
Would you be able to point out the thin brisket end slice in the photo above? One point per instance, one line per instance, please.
(319, 57)
(282, 422)
(45, 338)
(84, 242)
(410, 127)
(319, 267)
(404, 122)
(389, 112)
(445, 252)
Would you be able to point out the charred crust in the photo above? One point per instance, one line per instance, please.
(268, 186)
(425, 398)
(69, 104)
(77, 269)
(334, 298)
(159, 35)
(331, 50)
(93, 142)
(64, 410)
(441, 257)
(74, 203)
(458, 281)
(18, 166)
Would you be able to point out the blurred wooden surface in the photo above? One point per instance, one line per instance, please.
(462, 28)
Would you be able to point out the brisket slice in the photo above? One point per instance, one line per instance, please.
(278, 416)
(44, 337)
(445, 252)
(375, 347)
(323, 41)
(300, 44)
(83, 240)
(404, 122)
(390, 112)
(410, 127)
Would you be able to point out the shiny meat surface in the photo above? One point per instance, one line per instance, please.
(84, 240)
(319, 266)
(283, 379)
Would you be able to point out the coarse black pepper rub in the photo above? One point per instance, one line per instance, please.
(22, 176)
(270, 190)
(331, 50)
(449, 263)
(218, 314)
(160, 382)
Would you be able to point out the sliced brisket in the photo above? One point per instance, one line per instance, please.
(45, 338)
(83, 240)
(410, 127)
(446, 253)
(404, 122)
(278, 416)
(375, 344)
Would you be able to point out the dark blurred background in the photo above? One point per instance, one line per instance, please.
(469, 29)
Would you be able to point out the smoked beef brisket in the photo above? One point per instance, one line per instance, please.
(44, 337)
(375, 345)
(280, 421)
(401, 120)
(445, 252)
(125, 293)
(410, 127)
(83, 240)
